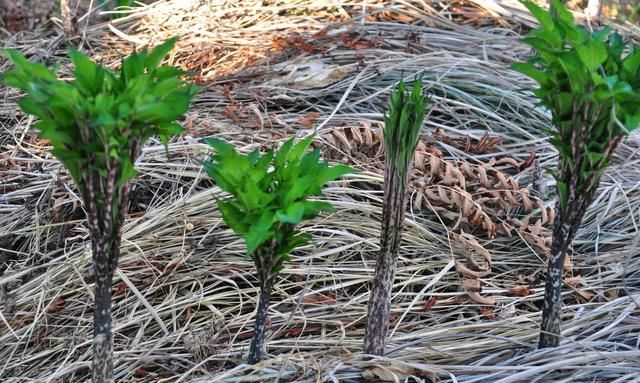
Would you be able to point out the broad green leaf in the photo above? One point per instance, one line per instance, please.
(543, 17)
(313, 208)
(155, 57)
(260, 231)
(291, 214)
(283, 154)
(30, 106)
(631, 64)
(88, 74)
(632, 122)
(562, 13)
(592, 53)
(528, 69)
(564, 104)
(127, 171)
(335, 172)
(299, 149)
(233, 216)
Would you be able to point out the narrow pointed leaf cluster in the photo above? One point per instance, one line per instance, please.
(403, 124)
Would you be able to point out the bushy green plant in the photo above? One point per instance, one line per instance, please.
(402, 128)
(590, 81)
(97, 125)
(269, 198)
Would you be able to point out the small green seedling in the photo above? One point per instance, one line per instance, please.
(590, 81)
(97, 125)
(269, 198)
(401, 134)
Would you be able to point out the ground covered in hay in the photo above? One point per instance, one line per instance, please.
(467, 297)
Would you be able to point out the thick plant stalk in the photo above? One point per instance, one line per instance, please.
(105, 228)
(257, 342)
(564, 230)
(379, 305)
(401, 133)
(102, 337)
(69, 18)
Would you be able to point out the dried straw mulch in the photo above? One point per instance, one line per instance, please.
(467, 298)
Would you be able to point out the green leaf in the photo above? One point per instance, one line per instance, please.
(89, 75)
(283, 154)
(631, 63)
(528, 69)
(299, 149)
(233, 216)
(171, 128)
(30, 106)
(132, 67)
(128, 171)
(545, 19)
(313, 208)
(291, 214)
(563, 194)
(632, 122)
(563, 105)
(49, 131)
(159, 53)
(260, 231)
(592, 53)
(334, 172)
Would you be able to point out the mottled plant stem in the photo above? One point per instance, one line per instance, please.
(257, 342)
(105, 221)
(379, 306)
(102, 338)
(552, 306)
(566, 225)
(69, 17)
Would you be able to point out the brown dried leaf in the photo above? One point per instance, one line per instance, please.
(307, 120)
(318, 299)
(519, 291)
(394, 373)
(56, 305)
(488, 312)
(429, 303)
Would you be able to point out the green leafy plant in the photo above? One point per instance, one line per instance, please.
(590, 81)
(97, 125)
(401, 133)
(269, 197)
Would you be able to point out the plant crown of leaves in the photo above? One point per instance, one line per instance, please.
(590, 81)
(102, 112)
(403, 123)
(269, 193)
